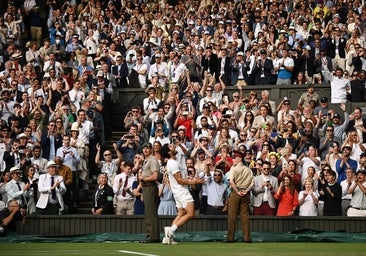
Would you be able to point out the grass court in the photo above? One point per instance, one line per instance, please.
(181, 249)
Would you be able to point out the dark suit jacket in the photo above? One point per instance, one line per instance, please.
(318, 65)
(357, 63)
(351, 125)
(358, 90)
(226, 76)
(267, 72)
(46, 144)
(104, 200)
(10, 160)
(341, 47)
(211, 63)
(307, 64)
(123, 73)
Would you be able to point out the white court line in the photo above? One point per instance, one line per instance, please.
(137, 253)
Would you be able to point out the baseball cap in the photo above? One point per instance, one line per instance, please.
(147, 145)
(323, 99)
(336, 115)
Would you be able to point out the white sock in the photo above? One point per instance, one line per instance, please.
(173, 228)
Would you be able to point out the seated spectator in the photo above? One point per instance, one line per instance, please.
(11, 216)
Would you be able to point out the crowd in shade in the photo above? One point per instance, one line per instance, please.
(63, 65)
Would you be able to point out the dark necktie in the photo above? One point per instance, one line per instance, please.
(53, 191)
(124, 185)
(21, 197)
(97, 195)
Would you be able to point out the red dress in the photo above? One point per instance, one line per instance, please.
(287, 202)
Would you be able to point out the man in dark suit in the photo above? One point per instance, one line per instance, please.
(120, 72)
(210, 62)
(14, 157)
(103, 197)
(358, 87)
(224, 64)
(358, 60)
(336, 52)
(50, 141)
(306, 61)
(358, 123)
(263, 69)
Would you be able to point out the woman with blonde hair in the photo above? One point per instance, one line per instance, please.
(308, 199)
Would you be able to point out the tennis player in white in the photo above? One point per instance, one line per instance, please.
(183, 199)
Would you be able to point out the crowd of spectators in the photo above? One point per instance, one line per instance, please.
(62, 64)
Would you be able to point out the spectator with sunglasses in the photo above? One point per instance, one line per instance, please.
(265, 185)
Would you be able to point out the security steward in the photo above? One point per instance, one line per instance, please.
(241, 182)
(150, 174)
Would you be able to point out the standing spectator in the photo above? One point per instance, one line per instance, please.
(287, 196)
(345, 162)
(327, 141)
(308, 200)
(68, 176)
(38, 161)
(331, 193)
(120, 72)
(339, 86)
(159, 68)
(358, 191)
(109, 166)
(122, 188)
(263, 70)
(167, 202)
(50, 141)
(346, 184)
(265, 185)
(216, 193)
(150, 174)
(103, 197)
(285, 69)
(358, 124)
(241, 182)
(17, 189)
(51, 188)
(139, 207)
(308, 96)
(337, 47)
(358, 87)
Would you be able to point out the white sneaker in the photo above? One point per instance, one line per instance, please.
(170, 235)
(172, 241)
(165, 240)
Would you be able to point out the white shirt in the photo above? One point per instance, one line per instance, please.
(338, 87)
(308, 208)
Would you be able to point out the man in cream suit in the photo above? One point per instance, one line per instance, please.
(263, 118)
(51, 188)
(16, 189)
(265, 185)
